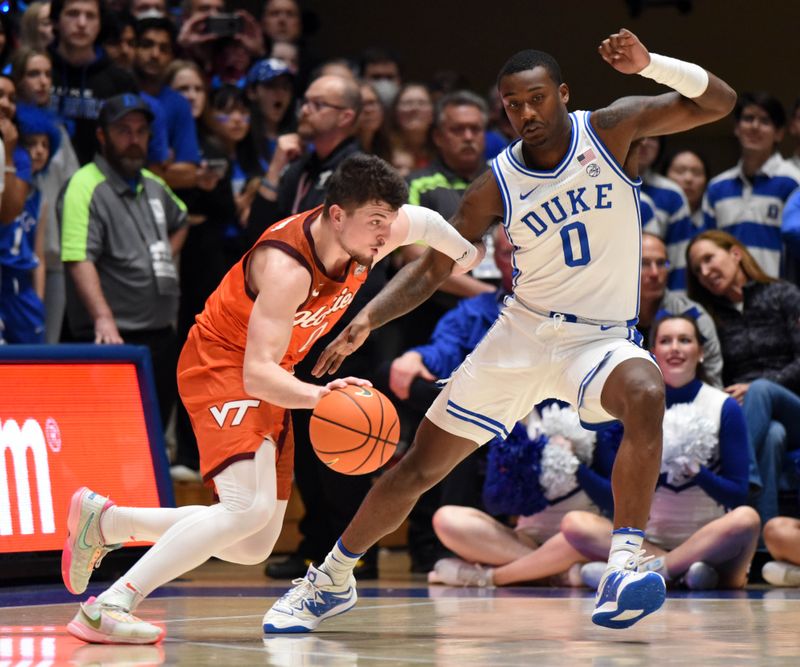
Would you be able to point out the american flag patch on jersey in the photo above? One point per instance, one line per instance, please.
(586, 157)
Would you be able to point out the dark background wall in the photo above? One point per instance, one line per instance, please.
(752, 44)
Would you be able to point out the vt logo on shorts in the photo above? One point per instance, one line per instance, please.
(241, 407)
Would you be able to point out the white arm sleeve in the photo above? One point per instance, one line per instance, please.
(431, 228)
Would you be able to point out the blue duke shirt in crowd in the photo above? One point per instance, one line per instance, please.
(21, 309)
(672, 223)
(752, 209)
(576, 228)
(180, 126)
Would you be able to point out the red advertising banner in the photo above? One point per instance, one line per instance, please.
(62, 426)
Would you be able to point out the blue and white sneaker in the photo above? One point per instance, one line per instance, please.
(625, 595)
(313, 599)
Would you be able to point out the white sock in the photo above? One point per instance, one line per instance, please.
(339, 563)
(123, 593)
(624, 543)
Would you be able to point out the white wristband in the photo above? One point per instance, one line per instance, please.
(431, 228)
(688, 79)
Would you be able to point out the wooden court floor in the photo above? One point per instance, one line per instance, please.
(213, 617)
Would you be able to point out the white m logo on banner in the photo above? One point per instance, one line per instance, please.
(240, 407)
(19, 441)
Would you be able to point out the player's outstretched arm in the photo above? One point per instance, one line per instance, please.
(700, 97)
(480, 207)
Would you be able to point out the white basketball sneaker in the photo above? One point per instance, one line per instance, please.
(779, 573)
(625, 595)
(312, 599)
(99, 623)
(85, 547)
(457, 572)
(701, 577)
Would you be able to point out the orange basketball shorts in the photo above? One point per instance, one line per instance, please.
(230, 425)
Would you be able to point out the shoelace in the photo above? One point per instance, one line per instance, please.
(637, 559)
(100, 553)
(556, 321)
(302, 588)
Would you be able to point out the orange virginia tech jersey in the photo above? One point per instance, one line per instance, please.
(227, 311)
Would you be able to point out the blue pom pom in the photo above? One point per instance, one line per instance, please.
(512, 474)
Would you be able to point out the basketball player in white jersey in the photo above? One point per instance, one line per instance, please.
(570, 209)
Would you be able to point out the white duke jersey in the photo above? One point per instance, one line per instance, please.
(576, 230)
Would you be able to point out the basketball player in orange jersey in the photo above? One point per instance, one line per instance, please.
(568, 196)
(235, 378)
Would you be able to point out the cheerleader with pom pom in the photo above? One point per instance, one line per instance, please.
(542, 471)
(699, 528)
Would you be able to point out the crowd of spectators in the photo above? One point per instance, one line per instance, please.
(147, 144)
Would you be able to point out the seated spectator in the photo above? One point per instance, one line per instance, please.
(22, 287)
(690, 171)
(655, 300)
(672, 222)
(381, 68)
(35, 27)
(288, 52)
(747, 200)
(410, 123)
(270, 89)
(17, 166)
(32, 71)
(539, 473)
(155, 49)
(699, 528)
(199, 43)
(228, 124)
(119, 39)
(371, 132)
(83, 76)
(758, 323)
(782, 537)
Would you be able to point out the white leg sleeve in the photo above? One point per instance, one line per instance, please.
(247, 491)
(141, 524)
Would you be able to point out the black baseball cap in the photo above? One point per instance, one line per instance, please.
(119, 106)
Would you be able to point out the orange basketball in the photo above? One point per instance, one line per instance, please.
(354, 430)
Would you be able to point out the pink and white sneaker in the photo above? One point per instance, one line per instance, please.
(100, 623)
(85, 547)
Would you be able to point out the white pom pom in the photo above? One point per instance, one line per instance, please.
(566, 423)
(558, 468)
(690, 440)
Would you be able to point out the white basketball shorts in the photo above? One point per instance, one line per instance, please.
(525, 358)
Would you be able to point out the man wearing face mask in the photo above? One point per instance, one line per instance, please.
(381, 68)
(121, 227)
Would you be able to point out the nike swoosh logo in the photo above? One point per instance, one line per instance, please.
(633, 544)
(82, 537)
(603, 327)
(527, 194)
